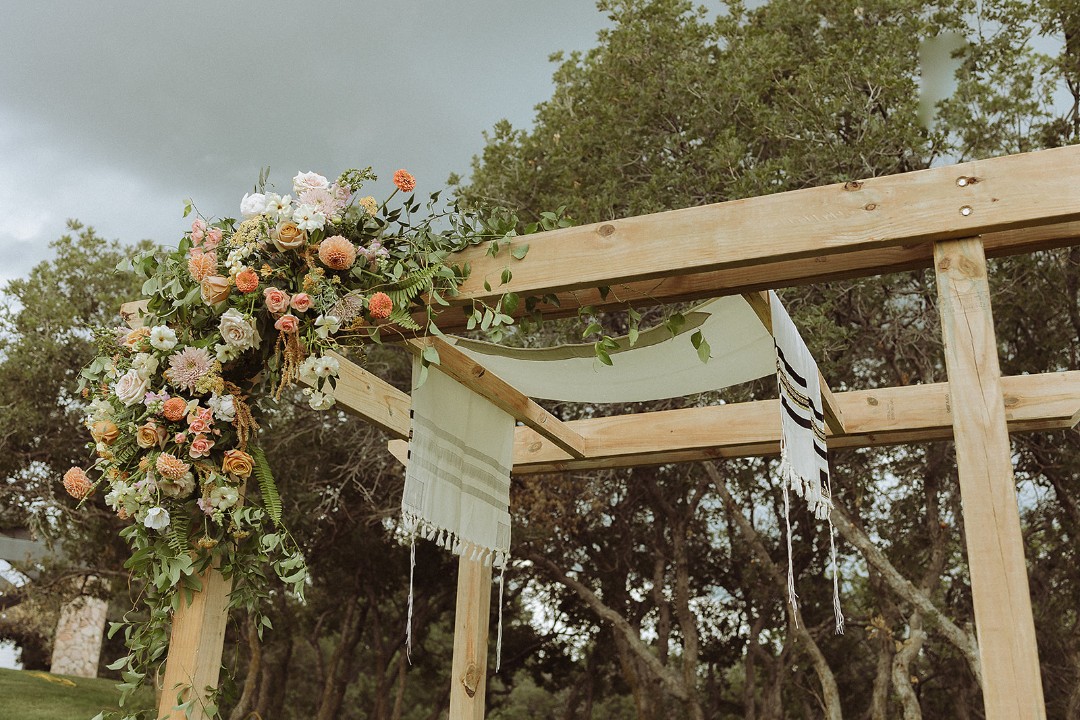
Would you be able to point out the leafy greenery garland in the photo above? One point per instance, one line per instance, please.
(237, 313)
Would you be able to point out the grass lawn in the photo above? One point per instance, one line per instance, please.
(33, 695)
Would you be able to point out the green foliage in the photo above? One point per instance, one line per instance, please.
(267, 487)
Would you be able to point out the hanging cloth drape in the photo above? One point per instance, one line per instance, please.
(804, 457)
(457, 481)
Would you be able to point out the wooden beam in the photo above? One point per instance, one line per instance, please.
(195, 647)
(468, 674)
(834, 418)
(1012, 686)
(371, 398)
(502, 394)
(887, 416)
(798, 227)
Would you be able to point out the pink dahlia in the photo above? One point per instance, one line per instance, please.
(189, 366)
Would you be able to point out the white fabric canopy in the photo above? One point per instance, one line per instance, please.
(659, 366)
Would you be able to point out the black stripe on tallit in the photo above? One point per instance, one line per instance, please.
(799, 419)
(787, 366)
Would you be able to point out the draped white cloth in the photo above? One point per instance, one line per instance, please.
(804, 457)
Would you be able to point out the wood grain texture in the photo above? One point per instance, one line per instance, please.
(195, 647)
(887, 416)
(468, 675)
(801, 226)
(371, 398)
(502, 394)
(1012, 686)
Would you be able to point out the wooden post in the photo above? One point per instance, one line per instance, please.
(468, 679)
(198, 637)
(1012, 687)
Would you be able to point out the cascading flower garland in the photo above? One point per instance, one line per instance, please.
(238, 312)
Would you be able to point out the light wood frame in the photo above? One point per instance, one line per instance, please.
(948, 218)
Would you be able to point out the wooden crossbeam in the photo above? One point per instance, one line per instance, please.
(834, 419)
(371, 398)
(502, 394)
(888, 416)
(800, 236)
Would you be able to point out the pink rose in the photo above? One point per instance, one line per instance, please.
(301, 302)
(198, 231)
(198, 425)
(180, 438)
(287, 323)
(200, 446)
(277, 301)
(213, 237)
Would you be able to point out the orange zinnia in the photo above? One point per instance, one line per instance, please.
(380, 305)
(404, 180)
(247, 280)
(174, 408)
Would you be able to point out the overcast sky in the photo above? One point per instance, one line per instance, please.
(115, 112)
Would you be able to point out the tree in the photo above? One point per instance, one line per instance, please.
(675, 108)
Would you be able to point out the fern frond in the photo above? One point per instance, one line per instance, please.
(178, 532)
(270, 496)
(401, 317)
(411, 286)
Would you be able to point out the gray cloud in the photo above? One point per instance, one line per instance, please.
(114, 112)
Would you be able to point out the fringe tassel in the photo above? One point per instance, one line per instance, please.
(838, 613)
(408, 622)
(792, 597)
(498, 641)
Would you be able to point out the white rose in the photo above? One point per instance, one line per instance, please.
(162, 337)
(157, 518)
(145, 364)
(237, 330)
(309, 181)
(131, 388)
(224, 407)
(252, 205)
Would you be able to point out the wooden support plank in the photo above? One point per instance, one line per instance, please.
(371, 398)
(834, 418)
(999, 194)
(1012, 686)
(887, 416)
(502, 394)
(468, 674)
(195, 647)
(784, 273)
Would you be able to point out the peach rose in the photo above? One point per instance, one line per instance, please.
(301, 302)
(150, 434)
(174, 408)
(277, 301)
(213, 237)
(105, 431)
(198, 425)
(215, 289)
(247, 280)
(288, 236)
(200, 446)
(237, 462)
(287, 324)
(136, 336)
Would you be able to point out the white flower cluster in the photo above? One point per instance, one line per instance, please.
(315, 371)
(317, 201)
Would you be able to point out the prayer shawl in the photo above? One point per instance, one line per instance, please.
(457, 481)
(804, 459)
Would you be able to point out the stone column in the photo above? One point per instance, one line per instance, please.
(77, 646)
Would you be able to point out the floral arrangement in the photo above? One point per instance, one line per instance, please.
(237, 313)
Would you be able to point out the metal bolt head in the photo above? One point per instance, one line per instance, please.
(962, 181)
(966, 210)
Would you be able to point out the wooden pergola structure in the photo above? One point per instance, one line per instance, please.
(949, 218)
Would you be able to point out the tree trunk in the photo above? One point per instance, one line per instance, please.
(901, 668)
(246, 704)
(337, 670)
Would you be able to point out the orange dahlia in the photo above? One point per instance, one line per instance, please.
(174, 408)
(247, 280)
(77, 484)
(380, 305)
(201, 265)
(171, 467)
(404, 180)
(337, 253)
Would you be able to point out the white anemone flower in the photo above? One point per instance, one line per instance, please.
(157, 518)
(307, 217)
(162, 337)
